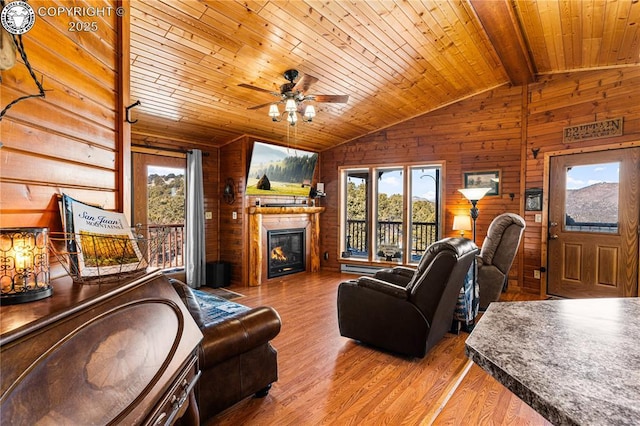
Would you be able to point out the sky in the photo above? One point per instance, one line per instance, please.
(581, 176)
(163, 171)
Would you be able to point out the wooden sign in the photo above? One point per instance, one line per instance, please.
(596, 130)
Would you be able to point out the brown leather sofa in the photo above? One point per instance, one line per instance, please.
(236, 357)
(403, 310)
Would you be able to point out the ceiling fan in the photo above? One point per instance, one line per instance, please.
(296, 92)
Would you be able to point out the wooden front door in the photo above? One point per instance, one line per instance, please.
(594, 210)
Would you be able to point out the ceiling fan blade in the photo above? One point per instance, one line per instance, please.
(340, 99)
(259, 89)
(304, 83)
(262, 105)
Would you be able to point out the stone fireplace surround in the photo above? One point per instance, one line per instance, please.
(263, 219)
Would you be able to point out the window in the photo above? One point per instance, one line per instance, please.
(386, 210)
(159, 204)
(591, 201)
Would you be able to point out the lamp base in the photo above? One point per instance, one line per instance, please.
(26, 296)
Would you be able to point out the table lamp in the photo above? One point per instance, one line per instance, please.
(462, 223)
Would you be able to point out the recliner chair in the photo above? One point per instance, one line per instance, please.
(404, 310)
(496, 256)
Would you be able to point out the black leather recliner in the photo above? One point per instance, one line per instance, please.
(404, 310)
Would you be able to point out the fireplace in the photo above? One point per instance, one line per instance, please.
(286, 249)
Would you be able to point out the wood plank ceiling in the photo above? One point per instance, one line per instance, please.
(396, 59)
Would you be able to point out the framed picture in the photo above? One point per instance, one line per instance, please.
(483, 179)
(533, 199)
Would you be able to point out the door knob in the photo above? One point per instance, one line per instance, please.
(553, 236)
(553, 224)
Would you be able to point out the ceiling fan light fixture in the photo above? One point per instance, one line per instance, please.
(309, 112)
(290, 105)
(274, 112)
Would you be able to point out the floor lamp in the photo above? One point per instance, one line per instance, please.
(474, 195)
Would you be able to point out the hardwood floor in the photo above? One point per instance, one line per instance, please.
(328, 379)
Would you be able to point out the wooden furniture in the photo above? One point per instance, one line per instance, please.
(573, 361)
(125, 352)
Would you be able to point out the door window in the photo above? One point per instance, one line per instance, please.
(591, 201)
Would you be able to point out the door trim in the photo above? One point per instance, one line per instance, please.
(545, 198)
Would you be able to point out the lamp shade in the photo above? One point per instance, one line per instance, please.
(474, 194)
(290, 105)
(462, 223)
(309, 112)
(274, 112)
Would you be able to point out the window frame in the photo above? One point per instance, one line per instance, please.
(372, 205)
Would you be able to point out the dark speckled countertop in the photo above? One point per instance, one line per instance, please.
(576, 362)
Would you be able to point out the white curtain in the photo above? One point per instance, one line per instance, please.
(194, 244)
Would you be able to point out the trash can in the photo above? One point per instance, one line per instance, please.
(218, 274)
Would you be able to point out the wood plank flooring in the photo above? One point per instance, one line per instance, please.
(326, 379)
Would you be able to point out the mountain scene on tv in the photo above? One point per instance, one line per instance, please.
(276, 170)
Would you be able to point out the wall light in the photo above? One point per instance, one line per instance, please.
(24, 265)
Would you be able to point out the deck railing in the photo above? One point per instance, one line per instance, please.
(423, 234)
(168, 251)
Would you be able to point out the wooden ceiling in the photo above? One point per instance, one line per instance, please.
(396, 59)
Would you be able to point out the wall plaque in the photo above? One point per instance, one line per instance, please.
(596, 130)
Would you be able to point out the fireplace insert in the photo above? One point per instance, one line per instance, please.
(286, 249)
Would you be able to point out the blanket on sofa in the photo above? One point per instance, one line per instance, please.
(216, 309)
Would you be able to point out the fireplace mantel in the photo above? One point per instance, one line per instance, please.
(263, 218)
(299, 209)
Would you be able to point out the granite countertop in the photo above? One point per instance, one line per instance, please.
(576, 362)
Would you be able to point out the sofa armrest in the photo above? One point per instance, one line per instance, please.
(381, 286)
(238, 334)
(399, 275)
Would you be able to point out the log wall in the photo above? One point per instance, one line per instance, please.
(70, 141)
(494, 130)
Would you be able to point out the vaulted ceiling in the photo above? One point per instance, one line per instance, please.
(396, 59)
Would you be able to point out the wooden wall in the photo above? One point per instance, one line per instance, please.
(234, 234)
(480, 133)
(71, 140)
(493, 130)
(561, 100)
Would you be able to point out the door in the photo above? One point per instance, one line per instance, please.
(594, 210)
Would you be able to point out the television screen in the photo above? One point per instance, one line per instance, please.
(278, 170)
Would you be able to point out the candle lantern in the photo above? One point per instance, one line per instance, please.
(24, 265)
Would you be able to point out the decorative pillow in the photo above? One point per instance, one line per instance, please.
(189, 299)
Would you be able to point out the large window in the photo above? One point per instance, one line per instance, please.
(390, 213)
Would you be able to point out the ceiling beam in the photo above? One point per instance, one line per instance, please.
(501, 25)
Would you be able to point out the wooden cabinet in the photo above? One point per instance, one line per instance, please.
(122, 353)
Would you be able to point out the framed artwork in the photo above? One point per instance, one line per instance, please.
(483, 179)
(533, 199)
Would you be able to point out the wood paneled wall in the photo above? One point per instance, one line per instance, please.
(71, 140)
(493, 130)
(234, 233)
(561, 100)
(480, 133)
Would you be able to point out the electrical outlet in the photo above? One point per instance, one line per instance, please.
(538, 218)
(234, 215)
(208, 215)
(536, 274)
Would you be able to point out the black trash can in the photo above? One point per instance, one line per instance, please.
(218, 274)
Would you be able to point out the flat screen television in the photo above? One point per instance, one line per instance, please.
(280, 171)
